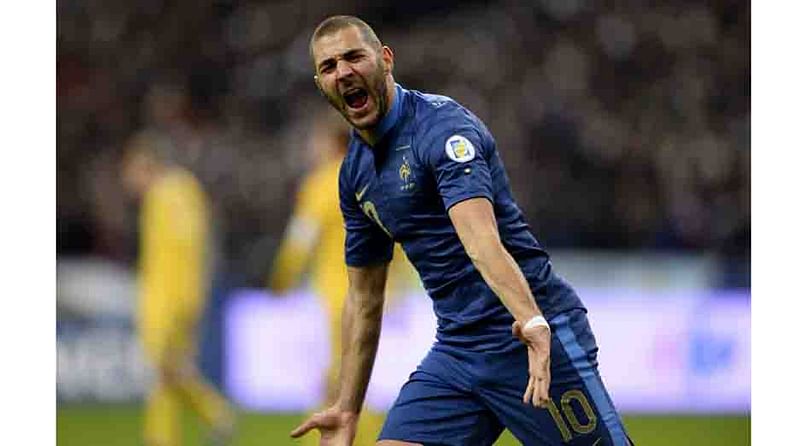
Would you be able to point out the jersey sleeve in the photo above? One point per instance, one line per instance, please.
(365, 243)
(455, 152)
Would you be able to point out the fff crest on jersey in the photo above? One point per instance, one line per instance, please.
(459, 149)
(406, 175)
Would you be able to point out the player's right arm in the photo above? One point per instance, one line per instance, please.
(368, 251)
(361, 327)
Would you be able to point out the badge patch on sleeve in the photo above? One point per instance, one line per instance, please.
(459, 149)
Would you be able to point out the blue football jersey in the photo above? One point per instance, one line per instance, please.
(432, 154)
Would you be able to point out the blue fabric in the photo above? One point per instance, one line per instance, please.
(401, 189)
(462, 397)
(580, 359)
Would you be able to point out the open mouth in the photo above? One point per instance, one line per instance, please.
(356, 98)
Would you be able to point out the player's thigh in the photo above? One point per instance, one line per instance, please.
(580, 412)
(430, 411)
(573, 417)
(582, 390)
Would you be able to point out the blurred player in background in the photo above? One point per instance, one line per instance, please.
(173, 276)
(313, 242)
(424, 171)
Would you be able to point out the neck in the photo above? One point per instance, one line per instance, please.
(371, 135)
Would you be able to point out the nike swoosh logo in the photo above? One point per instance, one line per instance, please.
(361, 194)
(407, 146)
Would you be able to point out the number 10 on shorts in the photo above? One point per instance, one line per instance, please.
(567, 409)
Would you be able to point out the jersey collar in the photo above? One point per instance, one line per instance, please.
(393, 116)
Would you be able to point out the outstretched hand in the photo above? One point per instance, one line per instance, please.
(538, 341)
(336, 427)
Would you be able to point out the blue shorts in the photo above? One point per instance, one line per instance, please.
(461, 397)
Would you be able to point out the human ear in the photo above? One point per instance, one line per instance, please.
(388, 59)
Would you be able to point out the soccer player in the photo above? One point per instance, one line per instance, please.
(423, 171)
(174, 231)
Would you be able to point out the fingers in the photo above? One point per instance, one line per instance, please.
(541, 392)
(307, 425)
(526, 398)
(538, 390)
(537, 393)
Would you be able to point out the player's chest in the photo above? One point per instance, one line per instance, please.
(395, 191)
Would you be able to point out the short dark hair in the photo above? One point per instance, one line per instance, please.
(338, 22)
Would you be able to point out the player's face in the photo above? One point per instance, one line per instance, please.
(352, 76)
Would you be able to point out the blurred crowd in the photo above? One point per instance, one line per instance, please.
(623, 125)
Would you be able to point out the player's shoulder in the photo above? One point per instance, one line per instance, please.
(437, 116)
(435, 113)
(442, 122)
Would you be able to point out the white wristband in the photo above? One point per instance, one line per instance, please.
(537, 321)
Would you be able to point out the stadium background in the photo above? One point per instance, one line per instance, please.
(625, 131)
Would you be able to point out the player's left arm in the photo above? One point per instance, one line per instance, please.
(460, 156)
(476, 226)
